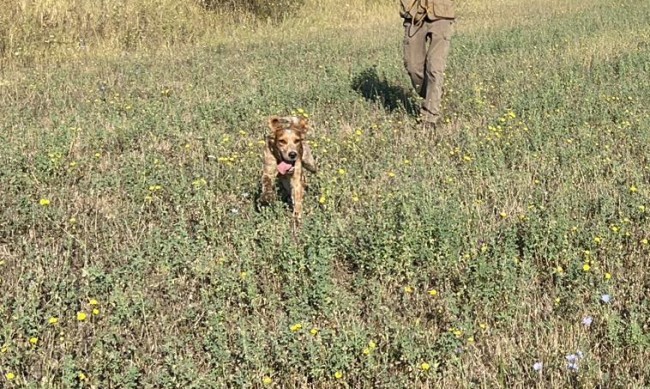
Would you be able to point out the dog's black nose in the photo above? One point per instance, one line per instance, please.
(293, 154)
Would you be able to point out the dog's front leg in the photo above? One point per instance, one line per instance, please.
(297, 192)
(268, 182)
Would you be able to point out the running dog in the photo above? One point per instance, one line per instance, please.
(286, 156)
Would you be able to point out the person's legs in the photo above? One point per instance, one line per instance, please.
(439, 34)
(415, 53)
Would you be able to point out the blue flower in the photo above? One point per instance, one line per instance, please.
(572, 361)
(537, 366)
(573, 367)
(606, 298)
(587, 320)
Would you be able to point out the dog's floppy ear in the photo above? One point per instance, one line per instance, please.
(303, 125)
(275, 123)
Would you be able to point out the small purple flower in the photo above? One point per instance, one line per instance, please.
(572, 361)
(537, 366)
(572, 358)
(587, 320)
(606, 298)
(573, 367)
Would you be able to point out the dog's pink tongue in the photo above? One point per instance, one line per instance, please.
(284, 167)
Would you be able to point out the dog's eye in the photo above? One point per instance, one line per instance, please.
(282, 142)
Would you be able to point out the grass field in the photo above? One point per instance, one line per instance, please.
(511, 250)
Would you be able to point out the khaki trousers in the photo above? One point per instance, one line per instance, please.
(426, 46)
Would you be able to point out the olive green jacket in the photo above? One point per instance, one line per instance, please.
(434, 9)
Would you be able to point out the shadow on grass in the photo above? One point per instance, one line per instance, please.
(377, 89)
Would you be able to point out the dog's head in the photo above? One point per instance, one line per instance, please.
(287, 134)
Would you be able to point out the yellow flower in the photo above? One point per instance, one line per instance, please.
(81, 376)
(557, 301)
(199, 183)
(559, 270)
(10, 376)
(53, 320)
(366, 351)
(425, 366)
(633, 189)
(338, 374)
(44, 202)
(267, 380)
(322, 199)
(433, 292)
(81, 316)
(608, 276)
(483, 326)
(243, 275)
(408, 289)
(296, 327)
(503, 215)
(355, 198)
(586, 267)
(358, 132)
(598, 240)
(644, 242)
(615, 228)
(341, 172)
(93, 302)
(33, 340)
(470, 340)
(372, 345)
(95, 311)
(391, 174)
(314, 331)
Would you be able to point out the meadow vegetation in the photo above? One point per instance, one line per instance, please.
(509, 250)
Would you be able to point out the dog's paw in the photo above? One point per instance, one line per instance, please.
(266, 198)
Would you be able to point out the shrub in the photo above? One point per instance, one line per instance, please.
(274, 10)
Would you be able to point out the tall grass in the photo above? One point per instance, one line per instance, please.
(133, 255)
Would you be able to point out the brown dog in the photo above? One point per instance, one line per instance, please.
(285, 156)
